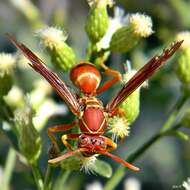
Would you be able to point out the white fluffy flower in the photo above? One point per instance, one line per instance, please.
(119, 126)
(141, 24)
(7, 63)
(52, 37)
(87, 163)
(184, 35)
(186, 184)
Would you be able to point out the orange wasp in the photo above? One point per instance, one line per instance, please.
(92, 116)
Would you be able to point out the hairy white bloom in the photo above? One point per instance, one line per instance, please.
(119, 126)
(96, 185)
(15, 97)
(132, 184)
(186, 184)
(115, 23)
(141, 24)
(87, 163)
(7, 63)
(100, 3)
(184, 35)
(52, 37)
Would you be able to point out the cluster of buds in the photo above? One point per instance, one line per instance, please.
(120, 34)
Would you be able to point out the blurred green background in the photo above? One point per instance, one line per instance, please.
(165, 164)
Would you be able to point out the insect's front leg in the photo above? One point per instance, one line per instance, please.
(109, 72)
(54, 149)
(67, 137)
(110, 144)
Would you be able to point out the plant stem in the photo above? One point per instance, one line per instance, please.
(120, 172)
(60, 182)
(37, 176)
(48, 178)
(9, 166)
(174, 114)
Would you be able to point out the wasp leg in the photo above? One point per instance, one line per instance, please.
(66, 137)
(109, 72)
(110, 144)
(54, 149)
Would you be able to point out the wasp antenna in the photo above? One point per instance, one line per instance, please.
(66, 155)
(118, 159)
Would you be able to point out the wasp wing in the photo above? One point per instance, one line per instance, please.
(58, 85)
(143, 74)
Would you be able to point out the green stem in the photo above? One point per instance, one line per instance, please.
(48, 178)
(174, 114)
(120, 172)
(37, 176)
(9, 166)
(60, 182)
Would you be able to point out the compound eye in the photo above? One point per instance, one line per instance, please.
(83, 140)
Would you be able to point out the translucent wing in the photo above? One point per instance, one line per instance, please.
(143, 74)
(58, 85)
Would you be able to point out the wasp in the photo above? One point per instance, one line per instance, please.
(89, 110)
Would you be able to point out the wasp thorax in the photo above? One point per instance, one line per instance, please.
(86, 77)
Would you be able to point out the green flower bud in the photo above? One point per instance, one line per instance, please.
(119, 126)
(131, 106)
(183, 66)
(7, 62)
(126, 37)
(62, 55)
(29, 138)
(98, 20)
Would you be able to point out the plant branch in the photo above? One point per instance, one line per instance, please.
(48, 177)
(9, 166)
(120, 172)
(37, 176)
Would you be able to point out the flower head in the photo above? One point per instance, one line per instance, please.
(87, 163)
(119, 126)
(52, 37)
(141, 24)
(7, 63)
(184, 35)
